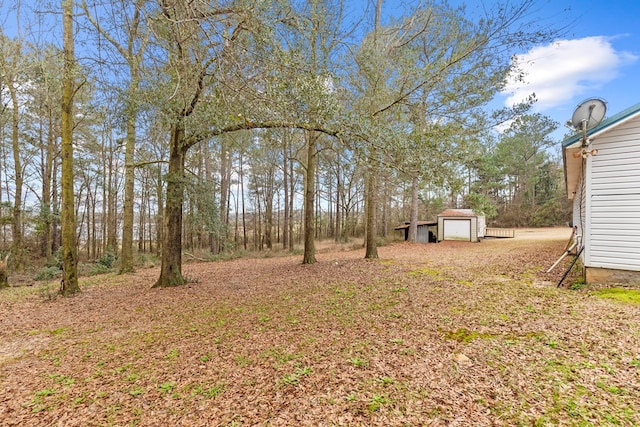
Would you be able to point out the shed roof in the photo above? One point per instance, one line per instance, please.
(572, 146)
(407, 224)
(458, 212)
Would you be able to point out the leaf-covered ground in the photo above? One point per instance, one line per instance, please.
(451, 334)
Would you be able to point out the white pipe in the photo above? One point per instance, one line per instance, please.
(562, 257)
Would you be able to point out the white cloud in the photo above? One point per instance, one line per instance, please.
(566, 68)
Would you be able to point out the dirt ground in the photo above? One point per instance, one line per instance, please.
(549, 233)
(451, 334)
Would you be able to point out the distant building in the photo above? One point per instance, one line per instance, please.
(461, 224)
(427, 231)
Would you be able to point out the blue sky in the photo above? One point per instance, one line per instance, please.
(599, 56)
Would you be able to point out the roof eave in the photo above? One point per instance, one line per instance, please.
(605, 125)
(572, 146)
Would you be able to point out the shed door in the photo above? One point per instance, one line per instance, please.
(457, 229)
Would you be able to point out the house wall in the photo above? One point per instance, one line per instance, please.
(579, 214)
(612, 202)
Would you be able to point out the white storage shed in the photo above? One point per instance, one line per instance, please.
(461, 224)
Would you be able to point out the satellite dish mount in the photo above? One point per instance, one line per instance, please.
(587, 115)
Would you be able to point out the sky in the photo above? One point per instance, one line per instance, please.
(598, 57)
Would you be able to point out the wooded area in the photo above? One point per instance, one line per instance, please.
(251, 125)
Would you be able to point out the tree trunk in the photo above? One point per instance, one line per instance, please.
(338, 210)
(268, 219)
(285, 188)
(160, 217)
(225, 189)
(69, 284)
(94, 225)
(55, 203)
(244, 215)
(309, 256)
(112, 237)
(47, 155)
(141, 216)
(171, 263)
(4, 278)
(413, 225)
(371, 243)
(126, 256)
(292, 189)
(371, 203)
(16, 225)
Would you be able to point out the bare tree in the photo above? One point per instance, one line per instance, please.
(12, 64)
(136, 37)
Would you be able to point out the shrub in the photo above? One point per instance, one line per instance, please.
(98, 268)
(107, 260)
(47, 273)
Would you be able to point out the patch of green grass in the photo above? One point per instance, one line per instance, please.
(279, 355)
(348, 293)
(552, 344)
(295, 377)
(393, 316)
(62, 379)
(631, 296)
(174, 353)
(45, 392)
(205, 391)
(610, 388)
(376, 402)
(385, 380)
(167, 387)
(57, 331)
(466, 336)
(242, 360)
(578, 284)
(136, 391)
(212, 392)
(568, 370)
(358, 362)
(37, 403)
(132, 377)
(79, 400)
(425, 271)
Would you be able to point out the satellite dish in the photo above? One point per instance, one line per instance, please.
(588, 114)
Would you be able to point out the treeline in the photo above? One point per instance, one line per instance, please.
(256, 125)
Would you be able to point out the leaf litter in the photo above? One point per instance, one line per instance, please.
(429, 334)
